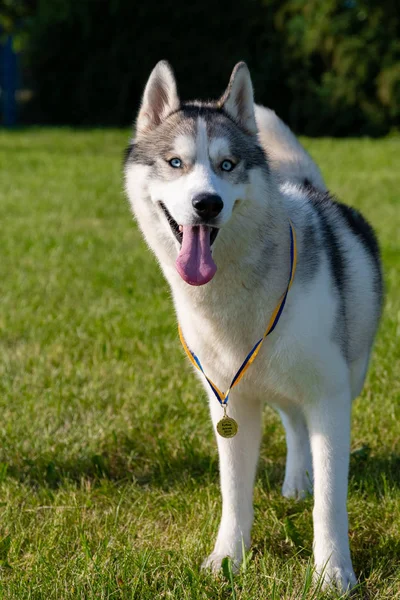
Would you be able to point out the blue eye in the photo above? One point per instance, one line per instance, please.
(227, 165)
(176, 163)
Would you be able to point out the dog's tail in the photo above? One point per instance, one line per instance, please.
(288, 159)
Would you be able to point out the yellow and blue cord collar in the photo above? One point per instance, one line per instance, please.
(221, 396)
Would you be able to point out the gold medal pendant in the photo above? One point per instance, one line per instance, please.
(227, 427)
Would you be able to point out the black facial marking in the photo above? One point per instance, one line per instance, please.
(156, 145)
(208, 112)
(137, 153)
(220, 123)
(192, 110)
(157, 142)
(244, 147)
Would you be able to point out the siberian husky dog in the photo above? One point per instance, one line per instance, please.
(215, 188)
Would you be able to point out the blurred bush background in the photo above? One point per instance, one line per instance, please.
(328, 67)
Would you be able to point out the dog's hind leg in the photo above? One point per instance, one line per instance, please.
(238, 457)
(299, 473)
(328, 422)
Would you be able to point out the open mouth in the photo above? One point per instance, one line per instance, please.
(177, 230)
(195, 263)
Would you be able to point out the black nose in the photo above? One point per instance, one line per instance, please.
(207, 206)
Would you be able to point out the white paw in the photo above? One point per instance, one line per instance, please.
(337, 573)
(214, 562)
(298, 486)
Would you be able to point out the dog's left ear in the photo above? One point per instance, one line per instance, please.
(238, 99)
(160, 98)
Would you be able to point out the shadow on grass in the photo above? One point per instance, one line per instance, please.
(374, 474)
(163, 464)
(125, 459)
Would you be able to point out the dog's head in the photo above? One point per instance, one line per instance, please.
(190, 166)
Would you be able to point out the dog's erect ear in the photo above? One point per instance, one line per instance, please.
(238, 99)
(160, 98)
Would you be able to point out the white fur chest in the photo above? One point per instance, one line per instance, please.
(224, 336)
(292, 359)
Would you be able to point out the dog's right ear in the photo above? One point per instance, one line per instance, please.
(160, 98)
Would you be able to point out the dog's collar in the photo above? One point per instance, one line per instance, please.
(276, 315)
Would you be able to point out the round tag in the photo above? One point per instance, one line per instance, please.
(227, 427)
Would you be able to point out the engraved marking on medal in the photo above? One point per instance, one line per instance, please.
(227, 427)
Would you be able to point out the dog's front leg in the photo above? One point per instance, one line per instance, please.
(238, 458)
(329, 427)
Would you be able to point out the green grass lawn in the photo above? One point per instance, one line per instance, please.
(108, 465)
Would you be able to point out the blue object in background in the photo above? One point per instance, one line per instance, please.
(8, 82)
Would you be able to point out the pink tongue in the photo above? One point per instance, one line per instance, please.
(194, 263)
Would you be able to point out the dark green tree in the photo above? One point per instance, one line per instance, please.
(330, 67)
